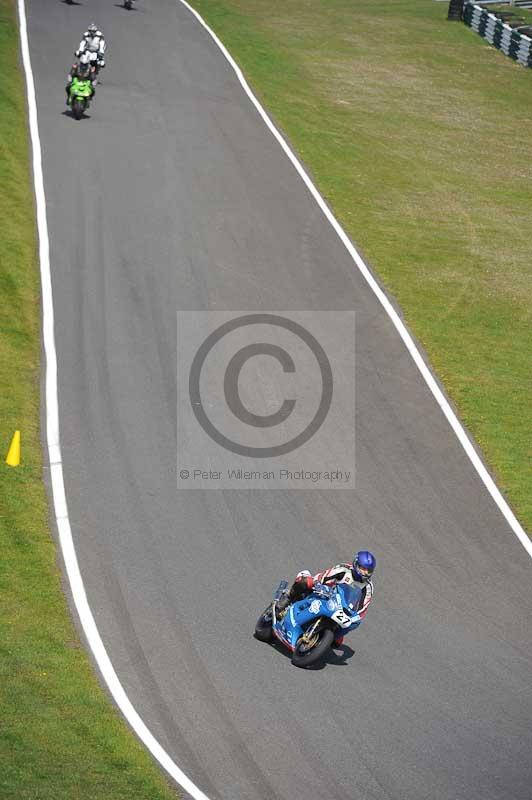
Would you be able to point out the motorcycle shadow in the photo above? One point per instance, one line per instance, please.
(70, 115)
(338, 656)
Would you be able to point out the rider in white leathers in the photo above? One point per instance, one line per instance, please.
(94, 44)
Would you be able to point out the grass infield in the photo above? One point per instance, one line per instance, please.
(417, 132)
(516, 12)
(60, 737)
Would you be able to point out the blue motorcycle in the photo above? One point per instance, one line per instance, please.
(308, 627)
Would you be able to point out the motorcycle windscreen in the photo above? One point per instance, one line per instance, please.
(80, 88)
(351, 596)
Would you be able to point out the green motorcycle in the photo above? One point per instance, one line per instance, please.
(80, 96)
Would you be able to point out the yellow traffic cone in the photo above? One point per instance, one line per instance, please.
(13, 454)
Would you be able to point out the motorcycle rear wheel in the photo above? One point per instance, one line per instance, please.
(263, 628)
(304, 657)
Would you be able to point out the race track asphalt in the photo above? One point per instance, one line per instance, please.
(173, 195)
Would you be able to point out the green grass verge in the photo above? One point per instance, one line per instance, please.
(418, 135)
(60, 737)
(523, 14)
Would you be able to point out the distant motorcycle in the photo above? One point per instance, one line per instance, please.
(128, 4)
(308, 627)
(80, 94)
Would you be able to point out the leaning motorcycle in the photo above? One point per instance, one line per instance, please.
(80, 94)
(309, 627)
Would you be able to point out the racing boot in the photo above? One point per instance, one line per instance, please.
(300, 588)
(282, 606)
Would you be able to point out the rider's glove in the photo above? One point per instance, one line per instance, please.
(322, 589)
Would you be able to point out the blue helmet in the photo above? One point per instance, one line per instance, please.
(364, 564)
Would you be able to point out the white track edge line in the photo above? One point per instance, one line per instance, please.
(54, 450)
(52, 409)
(385, 302)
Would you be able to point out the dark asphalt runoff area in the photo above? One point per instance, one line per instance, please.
(172, 196)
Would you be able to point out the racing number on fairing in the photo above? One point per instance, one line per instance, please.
(343, 619)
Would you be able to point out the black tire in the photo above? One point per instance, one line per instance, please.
(78, 107)
(263, 628)
(319, 651)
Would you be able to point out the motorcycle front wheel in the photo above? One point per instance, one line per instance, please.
(78, 107)
(310, 652)
(263, 628)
